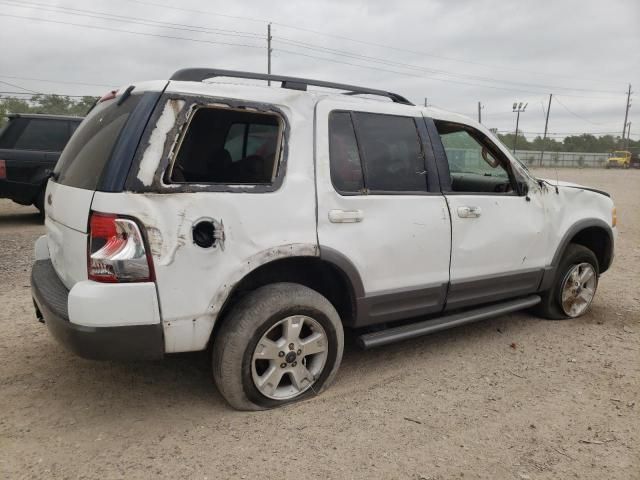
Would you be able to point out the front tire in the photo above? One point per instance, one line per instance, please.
(281, 343)
(574, 285)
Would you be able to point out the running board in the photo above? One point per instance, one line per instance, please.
(412, 330)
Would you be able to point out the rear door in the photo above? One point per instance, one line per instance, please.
(380, 209)
(76, 177)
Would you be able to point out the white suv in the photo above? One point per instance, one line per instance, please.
(262, 221)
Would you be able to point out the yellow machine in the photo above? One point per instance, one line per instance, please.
(619, 159)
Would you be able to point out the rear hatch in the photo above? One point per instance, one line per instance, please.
(78, 174)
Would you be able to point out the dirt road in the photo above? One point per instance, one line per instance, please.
(511, 398)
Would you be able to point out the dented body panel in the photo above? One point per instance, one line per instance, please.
(259, 226)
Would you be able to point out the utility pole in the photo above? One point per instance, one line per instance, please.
(426, 104)
(269, 50)
(480, 107)
(546, 124)
(626, 145)
(626, 113)
(517, 108)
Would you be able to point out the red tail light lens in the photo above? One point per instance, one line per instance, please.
(117, 251)
(3, 169)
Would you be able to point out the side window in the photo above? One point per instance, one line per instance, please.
(346, 169)
(44, 135)
(392, 153)
(474, 165)
(228, 146)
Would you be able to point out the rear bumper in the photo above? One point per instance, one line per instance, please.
(51, 298)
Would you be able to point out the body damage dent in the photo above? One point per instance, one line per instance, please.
(257, 260)
(157, 140)
(193, 333)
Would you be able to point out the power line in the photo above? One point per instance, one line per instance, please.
(56, 81)
(211, 42)
(355, 40)
(133, 20)
(429, 70)
(146, 22)
(193, 10)
(290, 52)
(574, 113)
(19, 87)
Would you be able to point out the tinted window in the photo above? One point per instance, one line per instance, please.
(346, 169)
(228, 146)
(42, 134)
(89, 149)
(392, 153)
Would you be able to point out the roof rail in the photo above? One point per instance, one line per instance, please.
(294, 83)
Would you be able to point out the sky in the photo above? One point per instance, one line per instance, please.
(454, 53)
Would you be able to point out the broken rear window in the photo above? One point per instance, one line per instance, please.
(228, 146)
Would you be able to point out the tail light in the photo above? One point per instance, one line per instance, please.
(3, 169)
(117, 250)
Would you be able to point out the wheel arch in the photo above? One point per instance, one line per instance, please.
(330, 274)
(594, 234)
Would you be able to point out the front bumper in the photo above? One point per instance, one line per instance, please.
(51, 299)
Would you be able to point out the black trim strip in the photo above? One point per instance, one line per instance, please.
(401, 304)
(405, 332)
(492, 288)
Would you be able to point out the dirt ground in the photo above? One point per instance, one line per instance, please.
(515, 397)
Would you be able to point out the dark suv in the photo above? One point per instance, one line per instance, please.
(30, 145)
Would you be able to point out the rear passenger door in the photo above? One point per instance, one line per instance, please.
(380, 212)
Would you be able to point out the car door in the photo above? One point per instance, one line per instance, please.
(497, 217)
(380, 212)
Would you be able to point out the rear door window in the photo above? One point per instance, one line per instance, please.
(83, 160)
(43, 134)
(346, 168)
(392, 153)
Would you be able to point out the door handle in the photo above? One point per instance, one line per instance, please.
(346, 216)
(469, 212)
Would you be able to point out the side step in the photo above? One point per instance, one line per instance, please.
(412, 330)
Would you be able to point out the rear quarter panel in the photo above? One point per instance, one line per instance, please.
(259, 226)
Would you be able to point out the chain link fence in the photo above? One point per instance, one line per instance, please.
(562, 159)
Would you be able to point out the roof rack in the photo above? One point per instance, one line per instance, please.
(294, 83)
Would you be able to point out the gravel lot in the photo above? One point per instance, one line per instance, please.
(514, 397)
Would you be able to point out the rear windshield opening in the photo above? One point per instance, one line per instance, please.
(228, 146)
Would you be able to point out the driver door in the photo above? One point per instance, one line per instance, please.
(498, 225)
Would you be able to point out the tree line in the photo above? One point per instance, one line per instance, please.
(585, 142)
(50, 104)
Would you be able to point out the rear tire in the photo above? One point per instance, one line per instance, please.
(551, 307)
(253, 364)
